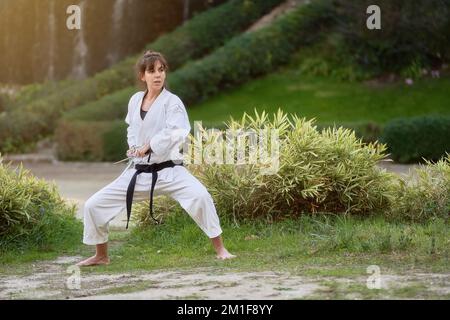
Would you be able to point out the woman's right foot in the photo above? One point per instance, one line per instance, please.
(224, 254)
(94, 261)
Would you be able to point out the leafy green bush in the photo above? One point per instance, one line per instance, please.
(368, 131)
(81, 140)
(163, 207)
(17, 129)
(410, 31)
(427, 195)
(193, 39)
(110, 107)
(411, 139)
(91, 140)
(115, 144)
(329, 57)
(32, 213)
(2, 103)
(328, 171)
(30, 92)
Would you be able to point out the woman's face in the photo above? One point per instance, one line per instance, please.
(155, 78)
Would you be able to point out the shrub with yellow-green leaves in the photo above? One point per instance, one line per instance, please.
(426, 195)
(319, 171)
(329, 171)
(163, 206)
(32, 213)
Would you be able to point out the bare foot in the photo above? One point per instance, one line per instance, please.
(94, 261)
(224, 254)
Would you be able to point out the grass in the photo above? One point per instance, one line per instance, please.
(326, 245)
(326, 99)
(55, 235)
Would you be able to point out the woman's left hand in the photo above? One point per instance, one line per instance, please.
(143, 150)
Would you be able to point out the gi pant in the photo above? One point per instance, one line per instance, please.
(176, 182)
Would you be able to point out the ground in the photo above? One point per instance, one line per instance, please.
(54, 280)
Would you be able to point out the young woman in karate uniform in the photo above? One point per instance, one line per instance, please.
(158, 123)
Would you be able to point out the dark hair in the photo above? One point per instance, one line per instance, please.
(147, 62)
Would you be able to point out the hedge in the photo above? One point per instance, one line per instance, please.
(412, 33)
(411, 139)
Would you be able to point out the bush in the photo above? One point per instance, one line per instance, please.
(81, 140)
(193, 39)
(412, 139)
(91, 140)
(328, 171)
(163, 207)
(30, 92)
(115, 144)
(368, 131)
(410, 31)
(427, 195)
(110, 107)
(32, 213)
(2, 103)
(328, 58)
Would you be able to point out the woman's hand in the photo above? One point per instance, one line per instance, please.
(142, 151)
(131, 152)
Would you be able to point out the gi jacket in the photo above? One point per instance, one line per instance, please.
(165, 127)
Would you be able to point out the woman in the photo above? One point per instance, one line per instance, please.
(157, 124)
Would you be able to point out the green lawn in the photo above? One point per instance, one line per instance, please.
(300, 245)
(326, 99)
(290, 245)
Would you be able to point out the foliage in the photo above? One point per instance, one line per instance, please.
(417, 138)
(32, 213)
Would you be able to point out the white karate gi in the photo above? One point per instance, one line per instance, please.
(165, 126)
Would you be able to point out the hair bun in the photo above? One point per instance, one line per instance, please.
(149, 53)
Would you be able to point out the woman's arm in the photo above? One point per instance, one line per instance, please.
(176, 130)
(131, 137)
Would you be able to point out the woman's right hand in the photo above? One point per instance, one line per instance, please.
(131, 152)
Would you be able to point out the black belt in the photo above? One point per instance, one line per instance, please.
(146, 168)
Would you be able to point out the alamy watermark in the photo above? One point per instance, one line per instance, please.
(73, 282)
(259, 147)
(374, 280)
(373, 22)
(73, 21)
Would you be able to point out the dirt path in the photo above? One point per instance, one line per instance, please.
(57, 279)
